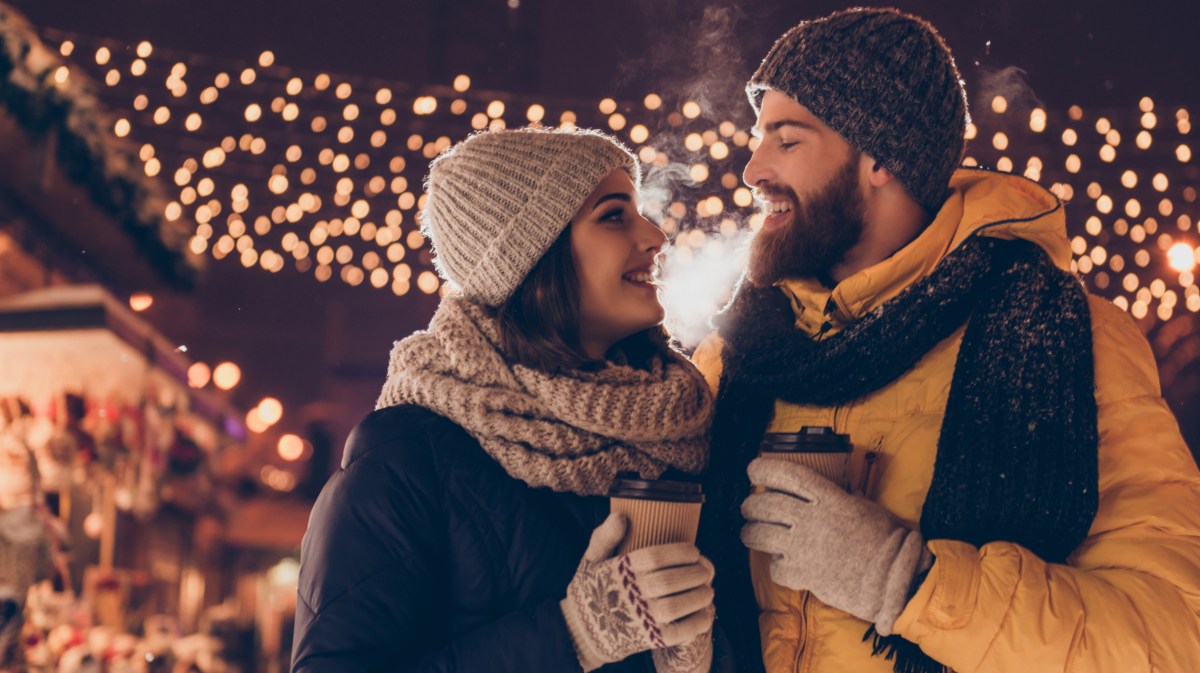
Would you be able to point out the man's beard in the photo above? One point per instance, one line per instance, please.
(823, 228)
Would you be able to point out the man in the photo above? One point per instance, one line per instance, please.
(1022, 499)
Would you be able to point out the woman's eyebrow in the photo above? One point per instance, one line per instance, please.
(621, 196)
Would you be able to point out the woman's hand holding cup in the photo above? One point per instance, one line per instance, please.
(652, 598)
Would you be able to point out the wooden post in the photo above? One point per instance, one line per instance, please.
(108, 531)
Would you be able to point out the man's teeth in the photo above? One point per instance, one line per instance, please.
(639, 277)
(774, 207)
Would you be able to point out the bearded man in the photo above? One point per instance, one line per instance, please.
(1021, 498)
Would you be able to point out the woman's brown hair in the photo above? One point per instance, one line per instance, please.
(539, 323)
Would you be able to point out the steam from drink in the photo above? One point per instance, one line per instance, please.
(698, 60)
(698, 282)
(698, 57)
(701, 267)
(1009, 83)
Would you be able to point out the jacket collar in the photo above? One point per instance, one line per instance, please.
(981, 203)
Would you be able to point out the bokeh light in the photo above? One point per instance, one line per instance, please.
(290, 448)
(226, 375)
(199, 374)
(270, 410)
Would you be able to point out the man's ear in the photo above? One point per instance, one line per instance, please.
(877, 174)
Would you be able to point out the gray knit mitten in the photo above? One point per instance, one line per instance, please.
(846, 550)
(655, 597)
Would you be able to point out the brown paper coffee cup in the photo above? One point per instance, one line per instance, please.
(819, 449)
(659, 512)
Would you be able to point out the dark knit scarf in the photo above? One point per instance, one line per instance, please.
(1017, 455)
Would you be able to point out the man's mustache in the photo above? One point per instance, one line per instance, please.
(765, 192)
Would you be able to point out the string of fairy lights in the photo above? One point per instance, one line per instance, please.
(321, 173)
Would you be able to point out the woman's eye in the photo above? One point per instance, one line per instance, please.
(615, 215)
(785, 144)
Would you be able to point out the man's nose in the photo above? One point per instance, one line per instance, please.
(757, 170)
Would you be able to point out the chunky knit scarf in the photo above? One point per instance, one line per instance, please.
(1017, 455)
(569, 431)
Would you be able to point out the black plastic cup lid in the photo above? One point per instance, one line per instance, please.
(810, 439)
(635, 488)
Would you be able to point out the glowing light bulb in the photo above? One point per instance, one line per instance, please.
(270, 410)
(227, 375)
(291, 448)
(140, 301)
(199, 375)
(255, 422)
(1181, 257)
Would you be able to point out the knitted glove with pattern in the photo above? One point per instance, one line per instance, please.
(653, 598)
(846, 550)
(691, 657)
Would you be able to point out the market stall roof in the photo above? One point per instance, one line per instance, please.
(81, 338)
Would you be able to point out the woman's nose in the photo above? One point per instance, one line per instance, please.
(653, 237)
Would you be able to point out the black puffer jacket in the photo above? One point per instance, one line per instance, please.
(423, 554)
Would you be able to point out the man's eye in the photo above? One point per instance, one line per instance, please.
(788, 143)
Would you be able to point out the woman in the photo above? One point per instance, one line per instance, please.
(456, 535)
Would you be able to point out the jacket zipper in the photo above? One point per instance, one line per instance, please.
(802, 639)
(865, 483)
(831, 308)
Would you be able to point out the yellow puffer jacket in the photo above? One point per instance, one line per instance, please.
(1128, 599)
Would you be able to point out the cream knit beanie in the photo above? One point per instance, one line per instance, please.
(498, 200)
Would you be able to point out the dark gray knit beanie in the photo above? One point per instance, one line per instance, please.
(885, 81)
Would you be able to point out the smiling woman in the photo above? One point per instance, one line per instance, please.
(454, 532)
(615, 250)
(594, 290)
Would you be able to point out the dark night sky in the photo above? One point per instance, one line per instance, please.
(1074, 51)
(283, 327)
